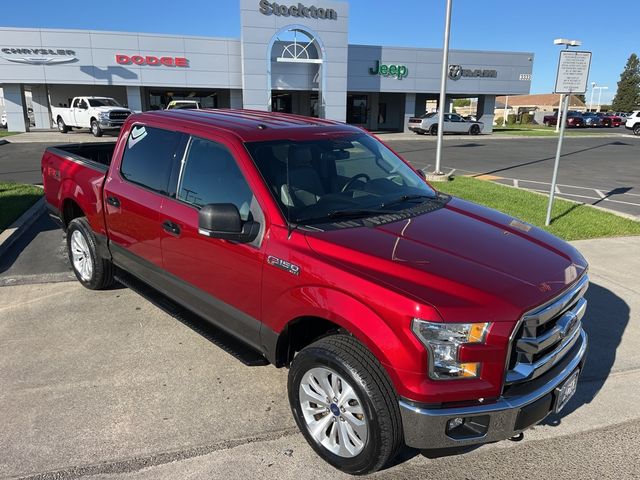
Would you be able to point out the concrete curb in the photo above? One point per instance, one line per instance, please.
(17, 228)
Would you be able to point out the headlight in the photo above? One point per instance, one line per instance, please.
(443, 341)
(104, 115)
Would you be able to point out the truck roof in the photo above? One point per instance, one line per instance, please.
(250, 125)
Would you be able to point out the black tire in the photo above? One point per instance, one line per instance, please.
(62, 127)
(433, 130)
(102, 272)
(636, 129)
(474, 130)
(95, 128)
(358, 366)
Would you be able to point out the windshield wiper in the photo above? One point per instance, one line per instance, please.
(405, 198)
(347, 213)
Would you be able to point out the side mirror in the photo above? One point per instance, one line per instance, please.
(222, 220)
(420, 172)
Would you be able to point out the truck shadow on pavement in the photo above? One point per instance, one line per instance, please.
(605, 321)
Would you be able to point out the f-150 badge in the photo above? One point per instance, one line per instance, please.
(283, 264)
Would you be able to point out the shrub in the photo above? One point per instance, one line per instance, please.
(526, 118)
(499, 121)
(511, 119)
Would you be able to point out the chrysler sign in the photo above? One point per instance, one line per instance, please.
(299, 10)
(456, 72)
(39, 56)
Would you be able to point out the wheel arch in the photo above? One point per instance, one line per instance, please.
(324, 311)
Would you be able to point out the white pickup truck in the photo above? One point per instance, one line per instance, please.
(96, 113)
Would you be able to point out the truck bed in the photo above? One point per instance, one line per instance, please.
(95, 155)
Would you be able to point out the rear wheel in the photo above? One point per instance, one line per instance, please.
(433, 130)
(91, 270)
(345, 405)
(95, 128)
(62, 127)
(636, 129)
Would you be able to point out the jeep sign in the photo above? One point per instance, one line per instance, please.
(398, 71)
(298, 10)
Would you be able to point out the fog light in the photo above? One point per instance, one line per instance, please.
(455, 422)
(462, 428)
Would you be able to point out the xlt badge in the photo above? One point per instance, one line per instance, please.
(283, 264)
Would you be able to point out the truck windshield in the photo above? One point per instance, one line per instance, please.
(103, 102)
(341, 176)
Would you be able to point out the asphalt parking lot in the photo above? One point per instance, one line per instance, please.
(115, 385)
(121, 384)
(599, 170)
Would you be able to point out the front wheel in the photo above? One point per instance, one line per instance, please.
(345, 405)
(91, 270)
(636, 129)
(95, 128)
(474, 130)
(62, 127)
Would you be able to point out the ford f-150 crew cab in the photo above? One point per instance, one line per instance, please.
(405, 316)
(96, 113)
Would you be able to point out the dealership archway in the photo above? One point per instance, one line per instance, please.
(295, 73)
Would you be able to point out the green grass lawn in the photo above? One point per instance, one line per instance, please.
(4, 133)
(542, 131)
(570, 221)
(15, 199)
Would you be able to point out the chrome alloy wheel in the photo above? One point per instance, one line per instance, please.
(333, 412)
(81, 255)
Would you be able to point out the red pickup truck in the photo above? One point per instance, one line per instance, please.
(405, 316)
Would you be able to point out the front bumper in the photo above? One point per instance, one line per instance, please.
(104, 123)
(426, 427)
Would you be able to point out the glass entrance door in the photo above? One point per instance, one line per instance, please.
(358, 110)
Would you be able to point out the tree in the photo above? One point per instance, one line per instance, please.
(461, 102)
(582, 98)
(628, 94)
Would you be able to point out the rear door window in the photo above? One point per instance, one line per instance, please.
(149, 157)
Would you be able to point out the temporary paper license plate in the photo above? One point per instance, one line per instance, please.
(566, 391)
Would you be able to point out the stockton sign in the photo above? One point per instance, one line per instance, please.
(299, 10)
(456, 72)
(39, 56)
(151, 60)
(398, 71)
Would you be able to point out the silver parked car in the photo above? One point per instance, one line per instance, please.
(453, 123)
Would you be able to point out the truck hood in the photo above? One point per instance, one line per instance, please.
(460, 260)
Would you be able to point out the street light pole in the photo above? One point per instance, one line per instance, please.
(593, 87)
(600, 95)
(443, 87)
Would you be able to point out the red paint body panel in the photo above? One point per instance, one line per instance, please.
(462, 263)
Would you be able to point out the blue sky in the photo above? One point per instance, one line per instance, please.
(608, 30)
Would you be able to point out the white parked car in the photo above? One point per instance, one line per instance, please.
(96, 113)
(453, 123)
(183, 105)
(633, 122)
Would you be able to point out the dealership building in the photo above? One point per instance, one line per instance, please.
(291, 57)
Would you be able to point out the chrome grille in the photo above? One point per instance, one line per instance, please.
(545, 335)
(119, 115)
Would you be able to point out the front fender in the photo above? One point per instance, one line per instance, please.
(394, 348)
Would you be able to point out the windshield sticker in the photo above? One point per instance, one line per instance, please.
(137, 134)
